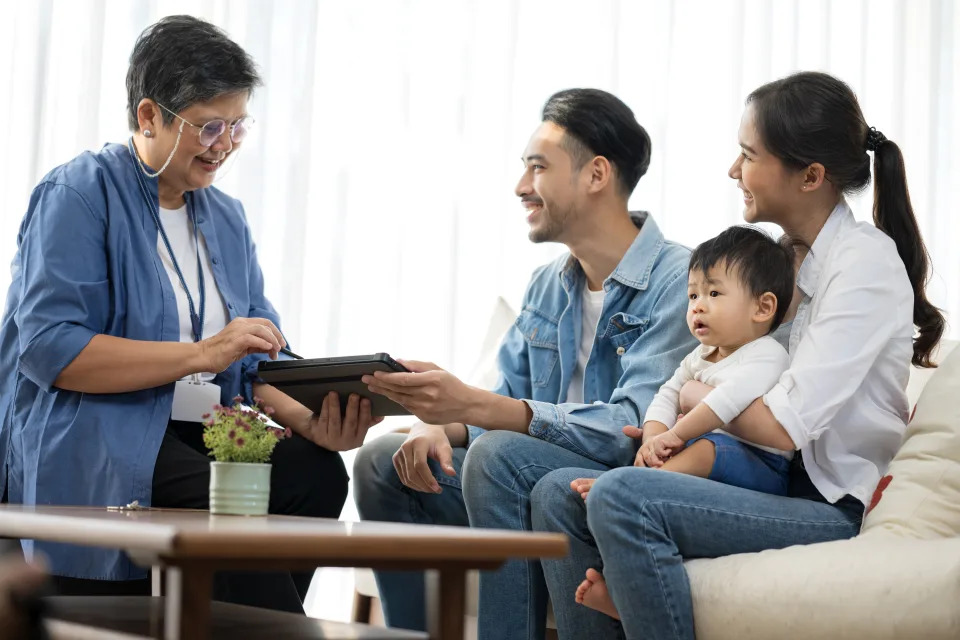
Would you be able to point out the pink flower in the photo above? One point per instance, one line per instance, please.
(287, 433)
(217, 407)
(240, 442)
(238, 398)
(232, 434)
(246, 427)
(205, 416)
(269, 411)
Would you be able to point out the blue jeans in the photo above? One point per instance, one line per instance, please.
(497, 474)
(743, 465)
(637, 527)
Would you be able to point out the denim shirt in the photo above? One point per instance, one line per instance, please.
(641, 338)
(87, 264)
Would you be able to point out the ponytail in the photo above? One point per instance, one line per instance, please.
(893, 214)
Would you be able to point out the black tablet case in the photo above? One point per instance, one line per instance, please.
(309, 381)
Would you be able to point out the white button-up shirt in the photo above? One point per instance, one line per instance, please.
(843, 400)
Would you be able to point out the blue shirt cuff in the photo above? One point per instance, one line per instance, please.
(473, 433)
(45, 358)
(546, 418)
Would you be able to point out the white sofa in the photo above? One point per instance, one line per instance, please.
(900, 578)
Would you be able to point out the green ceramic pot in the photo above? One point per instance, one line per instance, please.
(239, 488)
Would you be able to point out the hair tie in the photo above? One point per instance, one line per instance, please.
(874, 139)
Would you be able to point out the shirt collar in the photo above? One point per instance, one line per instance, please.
(635, 266)
(808, 276)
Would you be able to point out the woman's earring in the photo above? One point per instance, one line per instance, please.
(147, 133)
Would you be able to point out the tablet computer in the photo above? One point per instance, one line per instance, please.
(309, 381)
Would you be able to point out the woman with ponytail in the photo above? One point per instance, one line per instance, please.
(860, 316)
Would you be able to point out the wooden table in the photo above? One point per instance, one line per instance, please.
(142, 617)
(190, 545)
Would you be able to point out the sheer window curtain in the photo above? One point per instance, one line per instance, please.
(379, 183)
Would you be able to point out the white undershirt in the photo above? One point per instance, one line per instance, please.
(591, 306)
(179, 231)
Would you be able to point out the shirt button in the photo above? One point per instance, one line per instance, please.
(216, 260)
(621, 351)
(230, 305)
(200, 220)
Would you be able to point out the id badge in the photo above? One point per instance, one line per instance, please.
(193, 398)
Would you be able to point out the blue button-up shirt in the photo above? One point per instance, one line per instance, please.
(641, 338)
(87, 264)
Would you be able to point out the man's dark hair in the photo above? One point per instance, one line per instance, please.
(182, 60)
(597, 123)
(761, 263)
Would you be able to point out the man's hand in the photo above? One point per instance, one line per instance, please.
(583, 485)
(636, 433)
(433, 395)
(692, 393)
(425, 441)
(237, 340)
(334, 432)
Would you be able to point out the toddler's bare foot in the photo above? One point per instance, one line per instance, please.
(593, 593)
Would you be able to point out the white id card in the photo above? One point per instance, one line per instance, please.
(193, 398)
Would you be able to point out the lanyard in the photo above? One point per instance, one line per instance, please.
(196, 320)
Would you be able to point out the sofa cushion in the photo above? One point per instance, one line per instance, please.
(920, 494)
(874, 588)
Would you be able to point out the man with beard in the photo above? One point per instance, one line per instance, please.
(600, 330)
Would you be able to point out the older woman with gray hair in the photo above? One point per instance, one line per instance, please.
(133, 274)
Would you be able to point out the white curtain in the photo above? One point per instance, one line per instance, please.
(379, 183)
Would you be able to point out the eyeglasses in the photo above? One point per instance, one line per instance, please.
(211, 131)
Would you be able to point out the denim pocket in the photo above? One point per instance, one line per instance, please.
(540, 334)
(624, 329)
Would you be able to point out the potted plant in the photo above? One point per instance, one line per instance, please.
(241, 442)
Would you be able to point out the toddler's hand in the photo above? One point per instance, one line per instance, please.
(657, 450)
(647, 456)
(667, 444)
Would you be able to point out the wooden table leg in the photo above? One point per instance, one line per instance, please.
(187, 603)
(446, 603)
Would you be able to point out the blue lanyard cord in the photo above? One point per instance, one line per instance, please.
(196, 321)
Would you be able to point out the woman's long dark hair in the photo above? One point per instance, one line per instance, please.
(813, 117)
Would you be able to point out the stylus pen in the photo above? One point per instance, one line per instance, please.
(287, 352)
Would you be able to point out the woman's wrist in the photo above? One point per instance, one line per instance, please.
(287, 412)
(197, 362)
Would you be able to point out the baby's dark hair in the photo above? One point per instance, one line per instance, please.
(760, 262)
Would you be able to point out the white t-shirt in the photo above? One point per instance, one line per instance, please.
(179, 229)
(591, 306)
(737, 380)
